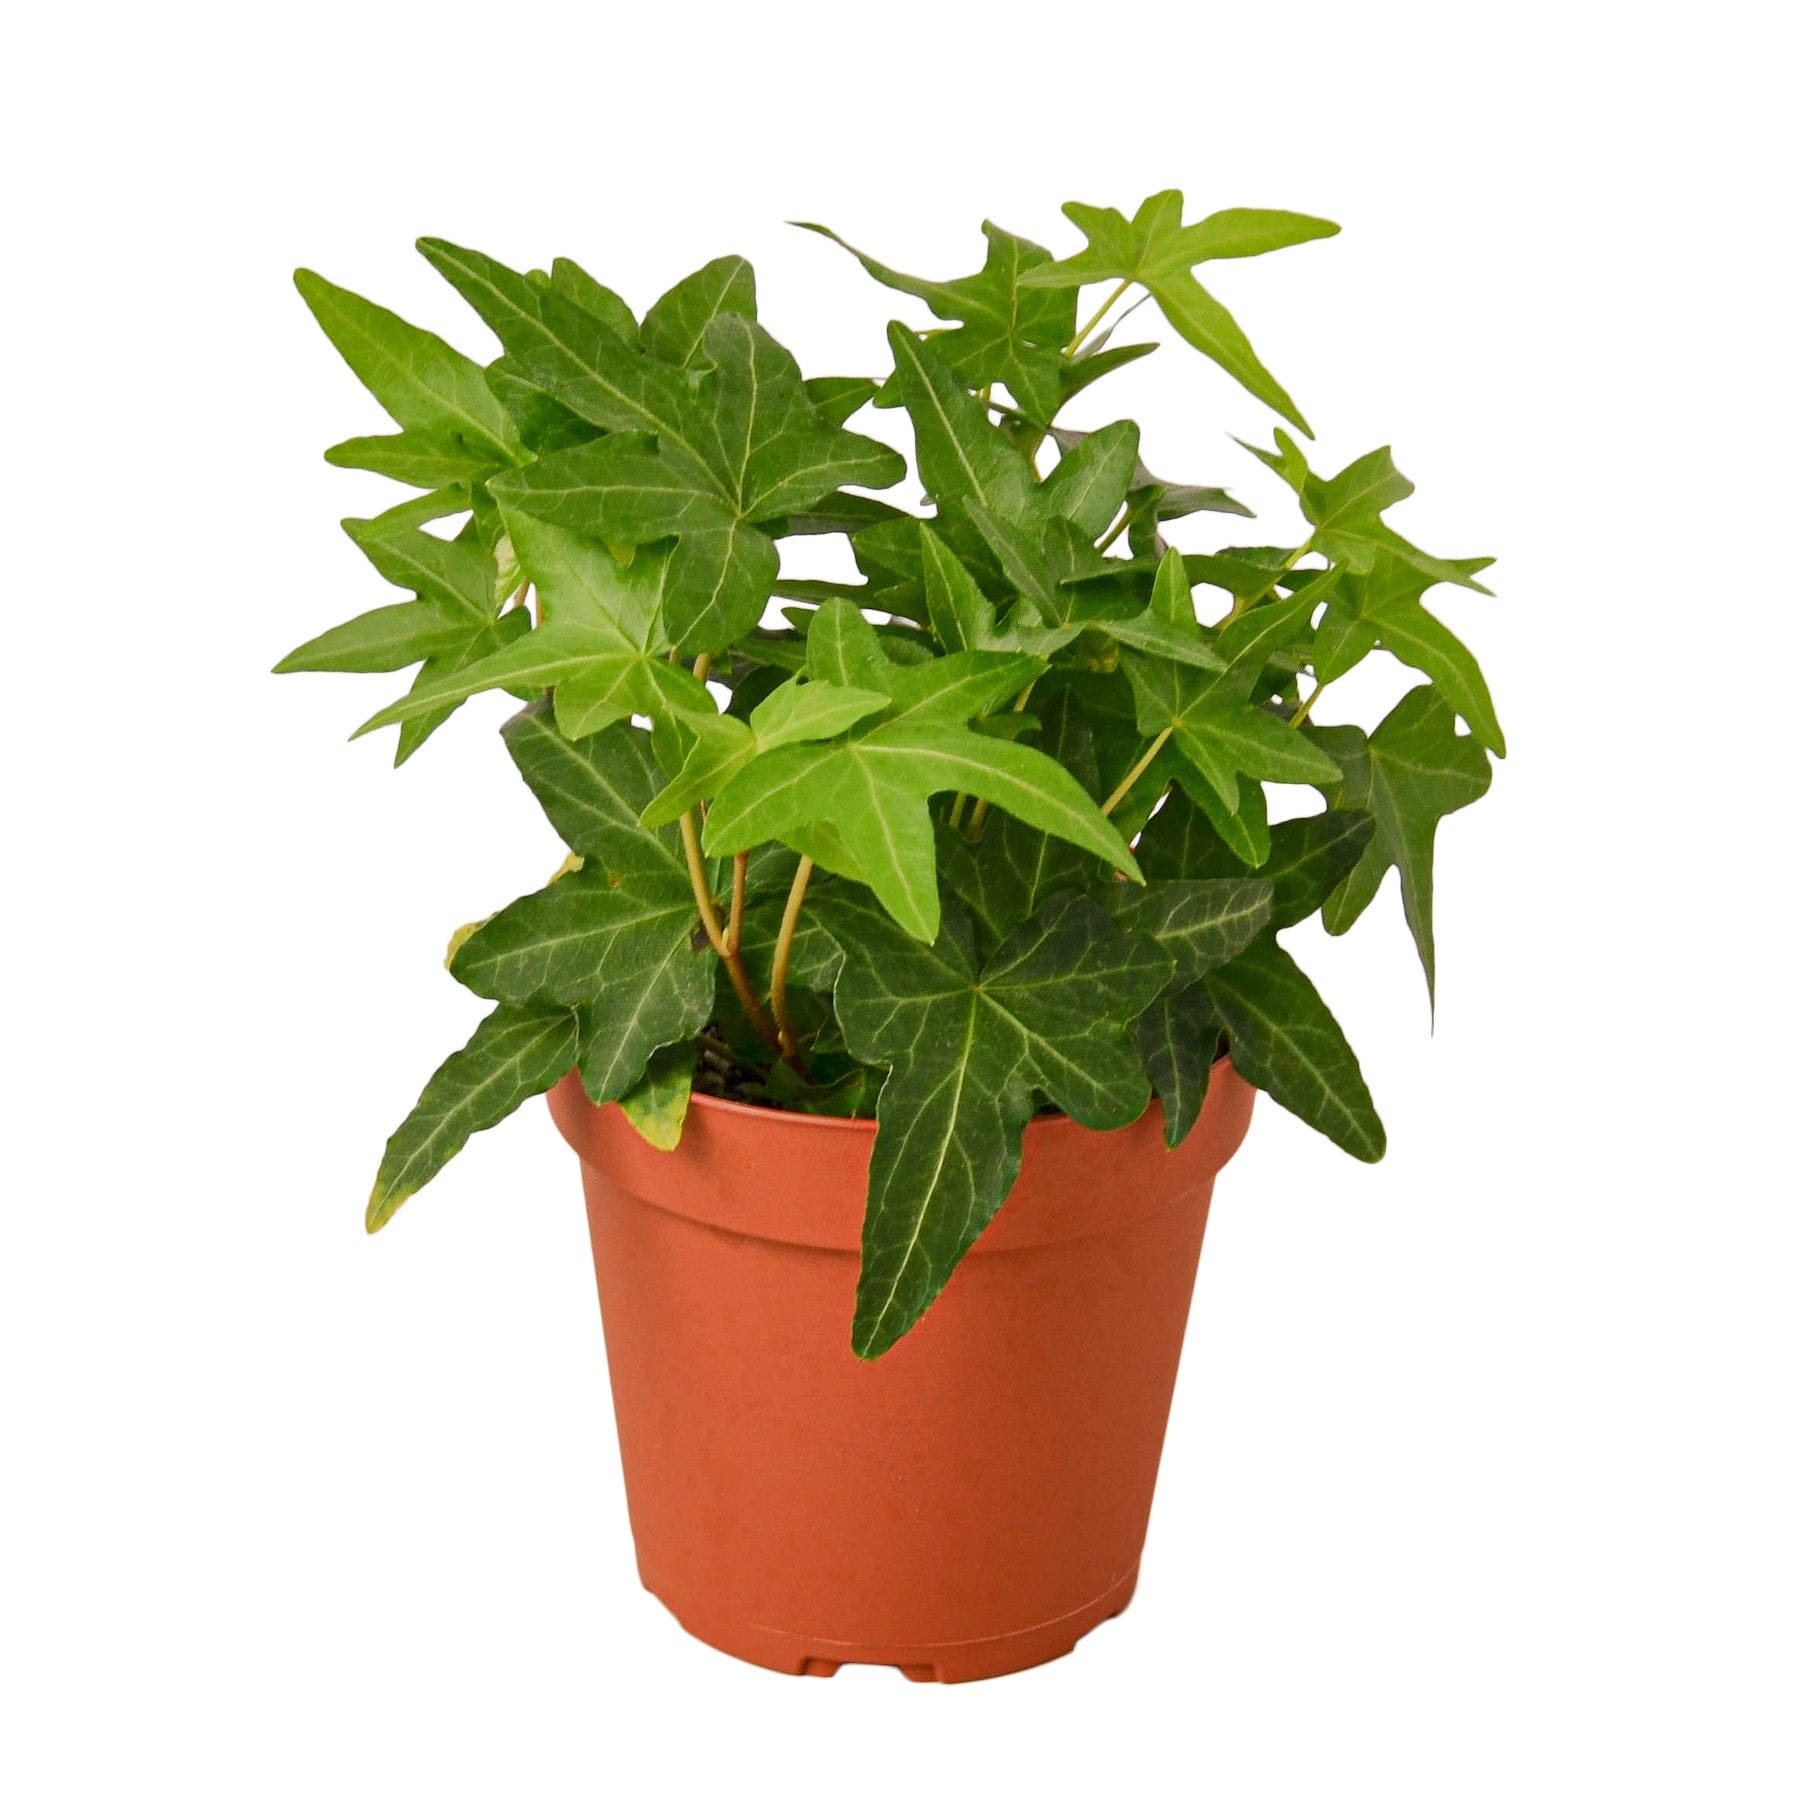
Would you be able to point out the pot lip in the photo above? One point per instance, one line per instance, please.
(716, 1103)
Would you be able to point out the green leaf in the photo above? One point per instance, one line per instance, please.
(390, 637)
(602, 645)
(1285, 1041)
(592, 792)
(439, 671)
(1004, 332)
(836, 397)
(531, 318)
(962, 455)
(1097, 470)
(797, 712)
(1155, 250)
(1385, 604)
(1345, 513)
(570, 281)
(1217, 736)
(1149, 497)
(516, 1052)
(964, 618)
(738, 445)
(1092, 363)
(1306, 860)
(1201, 924)
(970, 1046)
(873, 786)
(675, 327)
(1410, 773)
(615, 938)
(413, 457)
(1013, 868)
(1178, 1035)
(458, 572)
(439, 397)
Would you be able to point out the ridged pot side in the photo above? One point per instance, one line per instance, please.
(969, 1504)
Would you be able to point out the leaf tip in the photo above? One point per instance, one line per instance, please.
(384, 1202)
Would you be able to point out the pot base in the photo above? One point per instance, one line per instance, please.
(974, 1659)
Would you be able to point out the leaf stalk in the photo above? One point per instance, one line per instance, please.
(1106, 306)
(784, 952)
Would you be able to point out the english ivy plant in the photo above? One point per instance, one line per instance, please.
(981, 832)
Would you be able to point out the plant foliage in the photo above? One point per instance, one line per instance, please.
(982, 832)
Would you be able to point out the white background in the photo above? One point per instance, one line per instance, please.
(1482, 1474)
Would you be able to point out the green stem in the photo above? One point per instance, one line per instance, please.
(1137, 769)
(1113, 536)
(1106, 306)
(956, 810)
(1306, 705)
(784, 951)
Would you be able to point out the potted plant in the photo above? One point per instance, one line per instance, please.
(918, 948)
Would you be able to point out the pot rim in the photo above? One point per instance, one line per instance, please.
(718, 1103)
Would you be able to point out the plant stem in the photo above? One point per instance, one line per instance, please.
(1113, 536)
(956, 810)
(703, 665)
(715, 934)
(734, 930)
(1306, 705)
(784, 951)
(1106, 306)
(1137, 769)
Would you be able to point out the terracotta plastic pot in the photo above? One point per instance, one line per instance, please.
(969, 1504)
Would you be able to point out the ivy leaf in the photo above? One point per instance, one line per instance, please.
(1167, 628)
(382, 640)
(568, 280)
(1178, 1035)
(872, 787)
(1155, 250)
(965, 619)
(675, 327)
(614, 938)
(1094, 475)
(1012, 869)
(452, 624)
(1093, 362)
(452, 425)
(602, 645)
(963, 456)
(738, 446)
(1383, 607)
(969, 1046)
(1226, 747)
(1004, 332)
(1036, 534)
(1345, 512)
(797, 712)
(836, 398)
(657, 1107)
(1147, 496)
(1200, 924)
(1307, 859)
(516, 1052)
(1285, 1041)
(1412, 771)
